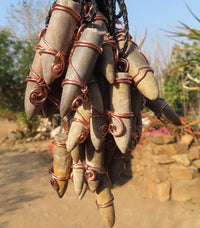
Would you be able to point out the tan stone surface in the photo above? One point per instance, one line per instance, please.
(163, 191)
(197, 163)
(187, 139)
(194, 153)
(185, 190)
(161, 139)
(180, 172)
(181, 159)
(163, 159)
(169, 149)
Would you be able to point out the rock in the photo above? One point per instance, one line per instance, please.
(183, 173)
(38, 136)
(169, 149)
(185, 190)
(180, 147)
(157, 173)
(181, 159)
(45, 125)
(187, 139)
(29, 140)
(197, 164)
(162, 159)
(194, 153)
(12, 136)
(145, 121)
(163, 191)
(160, 191)
(161, 139)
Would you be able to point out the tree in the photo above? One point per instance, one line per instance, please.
(17, 43)
(15, 58)
(182, 75)
(26, 22)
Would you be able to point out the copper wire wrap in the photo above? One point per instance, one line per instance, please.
(76, 166)
(59, 144)
(117, 116)
(147, 69)
(54, 179)
(58, 65)
(53, 100)
(73, 13)
(103, 130)
(123, 80)
(89, 45)
(104, 205)
(101, 18)
(86, 128)
(134, 141)
(110, 145)
(37, 95)
(122, 64)
(121, 37)
(88, 9)
(90, 171)
(78, 101)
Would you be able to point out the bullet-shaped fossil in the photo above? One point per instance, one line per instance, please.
(61, 164)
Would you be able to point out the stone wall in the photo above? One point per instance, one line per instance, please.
(167, 169)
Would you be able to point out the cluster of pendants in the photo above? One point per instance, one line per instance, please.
(78, 68)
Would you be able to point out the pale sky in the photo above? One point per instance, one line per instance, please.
(153, 16)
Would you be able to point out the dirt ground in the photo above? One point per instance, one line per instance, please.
(28, 201)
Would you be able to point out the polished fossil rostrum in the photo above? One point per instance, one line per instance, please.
(98, 78)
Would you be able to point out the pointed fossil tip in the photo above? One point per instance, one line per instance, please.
(80, 197)
(30, 115)
(84, 190)
(61, 193)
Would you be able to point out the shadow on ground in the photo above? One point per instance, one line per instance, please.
(19, 171)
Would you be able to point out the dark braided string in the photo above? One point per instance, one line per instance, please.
(120, 12)
(123, 11)
(95, 9)
(108, 8)
(111, 17)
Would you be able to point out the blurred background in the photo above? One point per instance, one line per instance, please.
(164, 190)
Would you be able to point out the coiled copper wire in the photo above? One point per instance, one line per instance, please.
(73, 13)
(79, 82)
(117, 116)
(58, 64)
(84, 133)
(104, 205)
(37, 95)
(54, 179)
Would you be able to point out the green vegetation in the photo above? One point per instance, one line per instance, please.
(182, 74)
(15, 58)
(17, 43)
(27, 127)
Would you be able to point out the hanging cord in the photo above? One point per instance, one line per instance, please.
(123, 12)
(108, 8)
